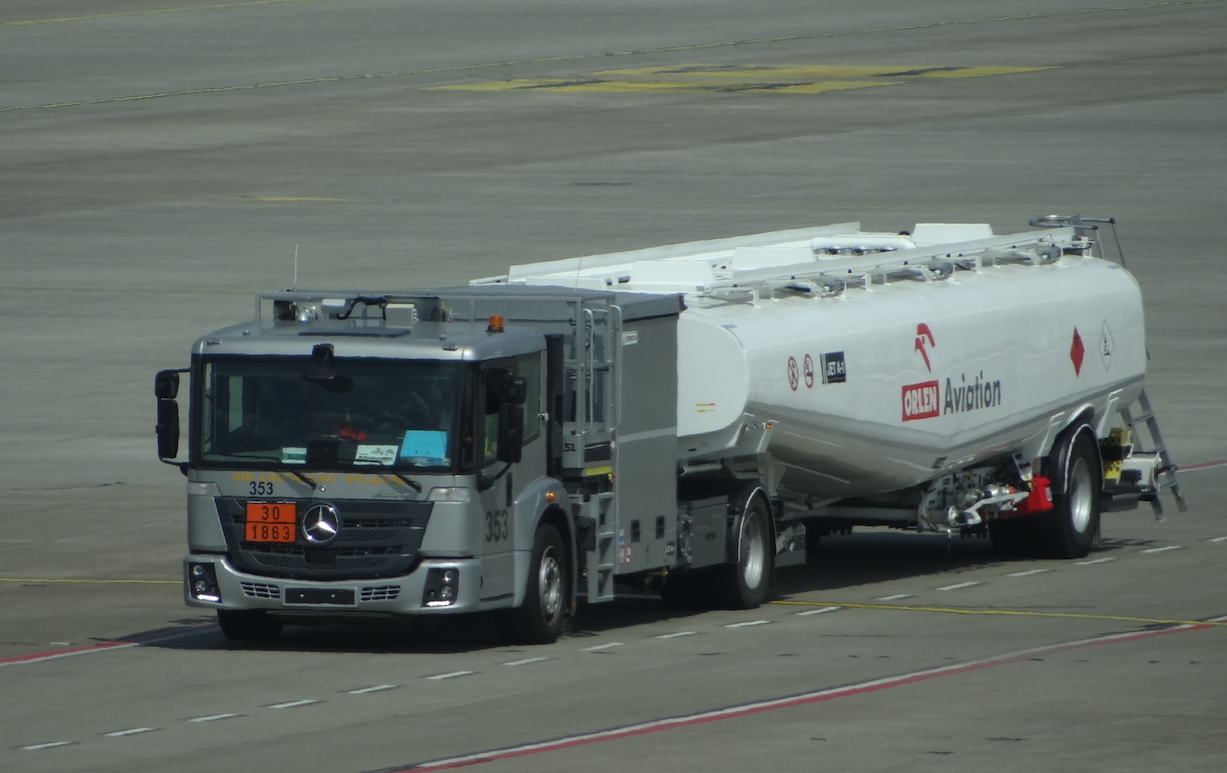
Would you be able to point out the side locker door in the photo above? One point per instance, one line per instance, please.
(645, 457)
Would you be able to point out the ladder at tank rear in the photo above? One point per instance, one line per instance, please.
(1165, 473)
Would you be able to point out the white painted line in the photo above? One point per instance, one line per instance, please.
(747, 624)
(1096, 561)
(52, 745)
(1028, 573)
(376, 688)
(959, 585)
(895, 597)
(212, 718)
(1163, 550)
(452, 675)
(1219, 539)
(600, 647)
(818, 611)
(772, 704)
(677, 635)
(133, 731)
(525, 661)
(293, 704)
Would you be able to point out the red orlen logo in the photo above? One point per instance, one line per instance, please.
(921, 401)
(923, 332)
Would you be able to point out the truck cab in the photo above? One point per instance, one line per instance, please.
(359, 455)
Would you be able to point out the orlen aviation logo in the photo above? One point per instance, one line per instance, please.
(922, 401)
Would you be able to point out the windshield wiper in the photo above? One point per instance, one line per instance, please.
(410, 482)
(280, 465)
(290, 469)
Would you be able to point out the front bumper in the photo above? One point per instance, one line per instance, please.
(405, 595)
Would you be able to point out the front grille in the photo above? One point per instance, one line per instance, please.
(375, 539)
(380, 593)
(261, 591)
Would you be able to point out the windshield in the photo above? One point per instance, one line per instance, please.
(253, 411)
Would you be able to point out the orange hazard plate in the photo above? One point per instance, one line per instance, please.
(271, 521)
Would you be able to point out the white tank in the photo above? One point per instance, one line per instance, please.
(882, 361)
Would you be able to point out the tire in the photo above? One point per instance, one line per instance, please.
(540, 619)
(1070, 528)
(248, 624)
(748, 581)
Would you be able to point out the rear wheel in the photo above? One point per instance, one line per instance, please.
(748, 581)
(540, 619)
(1069, 529)
(248, 624)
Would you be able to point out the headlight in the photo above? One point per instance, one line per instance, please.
(203, 582)
(442, 587)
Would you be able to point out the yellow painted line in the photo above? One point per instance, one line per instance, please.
(294, 198)
(606, 86)
(1003, 612)
(974, 72)
(817, 71)
(97, 582)
(153, 12)
(754, 79)
(820, 87)
(607, 55)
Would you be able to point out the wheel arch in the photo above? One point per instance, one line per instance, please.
(534, 508)
(1057, 462)
(737, 507)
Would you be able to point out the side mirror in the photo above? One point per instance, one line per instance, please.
(510, 433)
(515, 390)
(166, 384)
(168, 427)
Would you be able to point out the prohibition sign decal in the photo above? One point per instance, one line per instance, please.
(808, 367)
(794, 375)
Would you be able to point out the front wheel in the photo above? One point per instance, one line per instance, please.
(1069, 529)
(748, 581)
(540, 619)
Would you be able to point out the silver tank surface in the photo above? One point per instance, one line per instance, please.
(863, 363)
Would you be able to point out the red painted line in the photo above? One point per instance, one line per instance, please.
(1201, 466)
(136, 640)
(742, 710)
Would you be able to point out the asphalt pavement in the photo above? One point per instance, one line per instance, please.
(161, 160)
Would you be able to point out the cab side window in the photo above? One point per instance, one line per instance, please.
(529, 368)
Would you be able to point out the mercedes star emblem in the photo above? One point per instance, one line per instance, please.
(321, 524)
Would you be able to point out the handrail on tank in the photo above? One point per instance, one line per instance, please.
(1081, 223)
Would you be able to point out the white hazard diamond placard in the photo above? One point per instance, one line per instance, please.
(1106, 345)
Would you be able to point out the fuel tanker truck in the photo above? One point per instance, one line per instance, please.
(687, 418)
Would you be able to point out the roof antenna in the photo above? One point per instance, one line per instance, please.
(295, 288)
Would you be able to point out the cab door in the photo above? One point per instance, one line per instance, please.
(504, 527)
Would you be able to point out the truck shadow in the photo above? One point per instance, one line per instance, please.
(841, 563)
